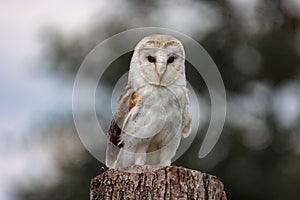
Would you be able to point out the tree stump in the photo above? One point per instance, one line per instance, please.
(151, 182)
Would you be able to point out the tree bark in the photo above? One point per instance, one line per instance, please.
(151, 182)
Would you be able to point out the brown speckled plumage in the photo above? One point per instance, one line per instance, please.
(126, 102)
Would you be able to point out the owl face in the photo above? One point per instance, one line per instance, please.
(160, 59)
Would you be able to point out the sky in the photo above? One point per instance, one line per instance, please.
(26, 94)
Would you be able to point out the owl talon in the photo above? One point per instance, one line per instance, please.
(103, 169)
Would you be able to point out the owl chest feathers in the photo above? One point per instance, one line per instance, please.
(158, 112)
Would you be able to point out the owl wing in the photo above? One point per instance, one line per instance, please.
(186, 118)
(126, 102)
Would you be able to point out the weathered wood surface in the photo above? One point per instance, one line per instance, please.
(150, 182)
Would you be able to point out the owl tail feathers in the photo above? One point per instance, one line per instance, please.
(112, 152)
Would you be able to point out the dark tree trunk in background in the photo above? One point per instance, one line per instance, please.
(150, 182)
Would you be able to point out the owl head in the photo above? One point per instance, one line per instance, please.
(158, 60)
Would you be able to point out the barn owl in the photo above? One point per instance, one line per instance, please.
(154, 110)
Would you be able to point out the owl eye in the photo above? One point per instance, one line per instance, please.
(171, 59)
(151, 59)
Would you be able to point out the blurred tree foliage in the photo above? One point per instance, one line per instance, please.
(271, 171)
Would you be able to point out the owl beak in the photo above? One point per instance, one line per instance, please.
(161, 69)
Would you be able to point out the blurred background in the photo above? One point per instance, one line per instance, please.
(255, 44)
